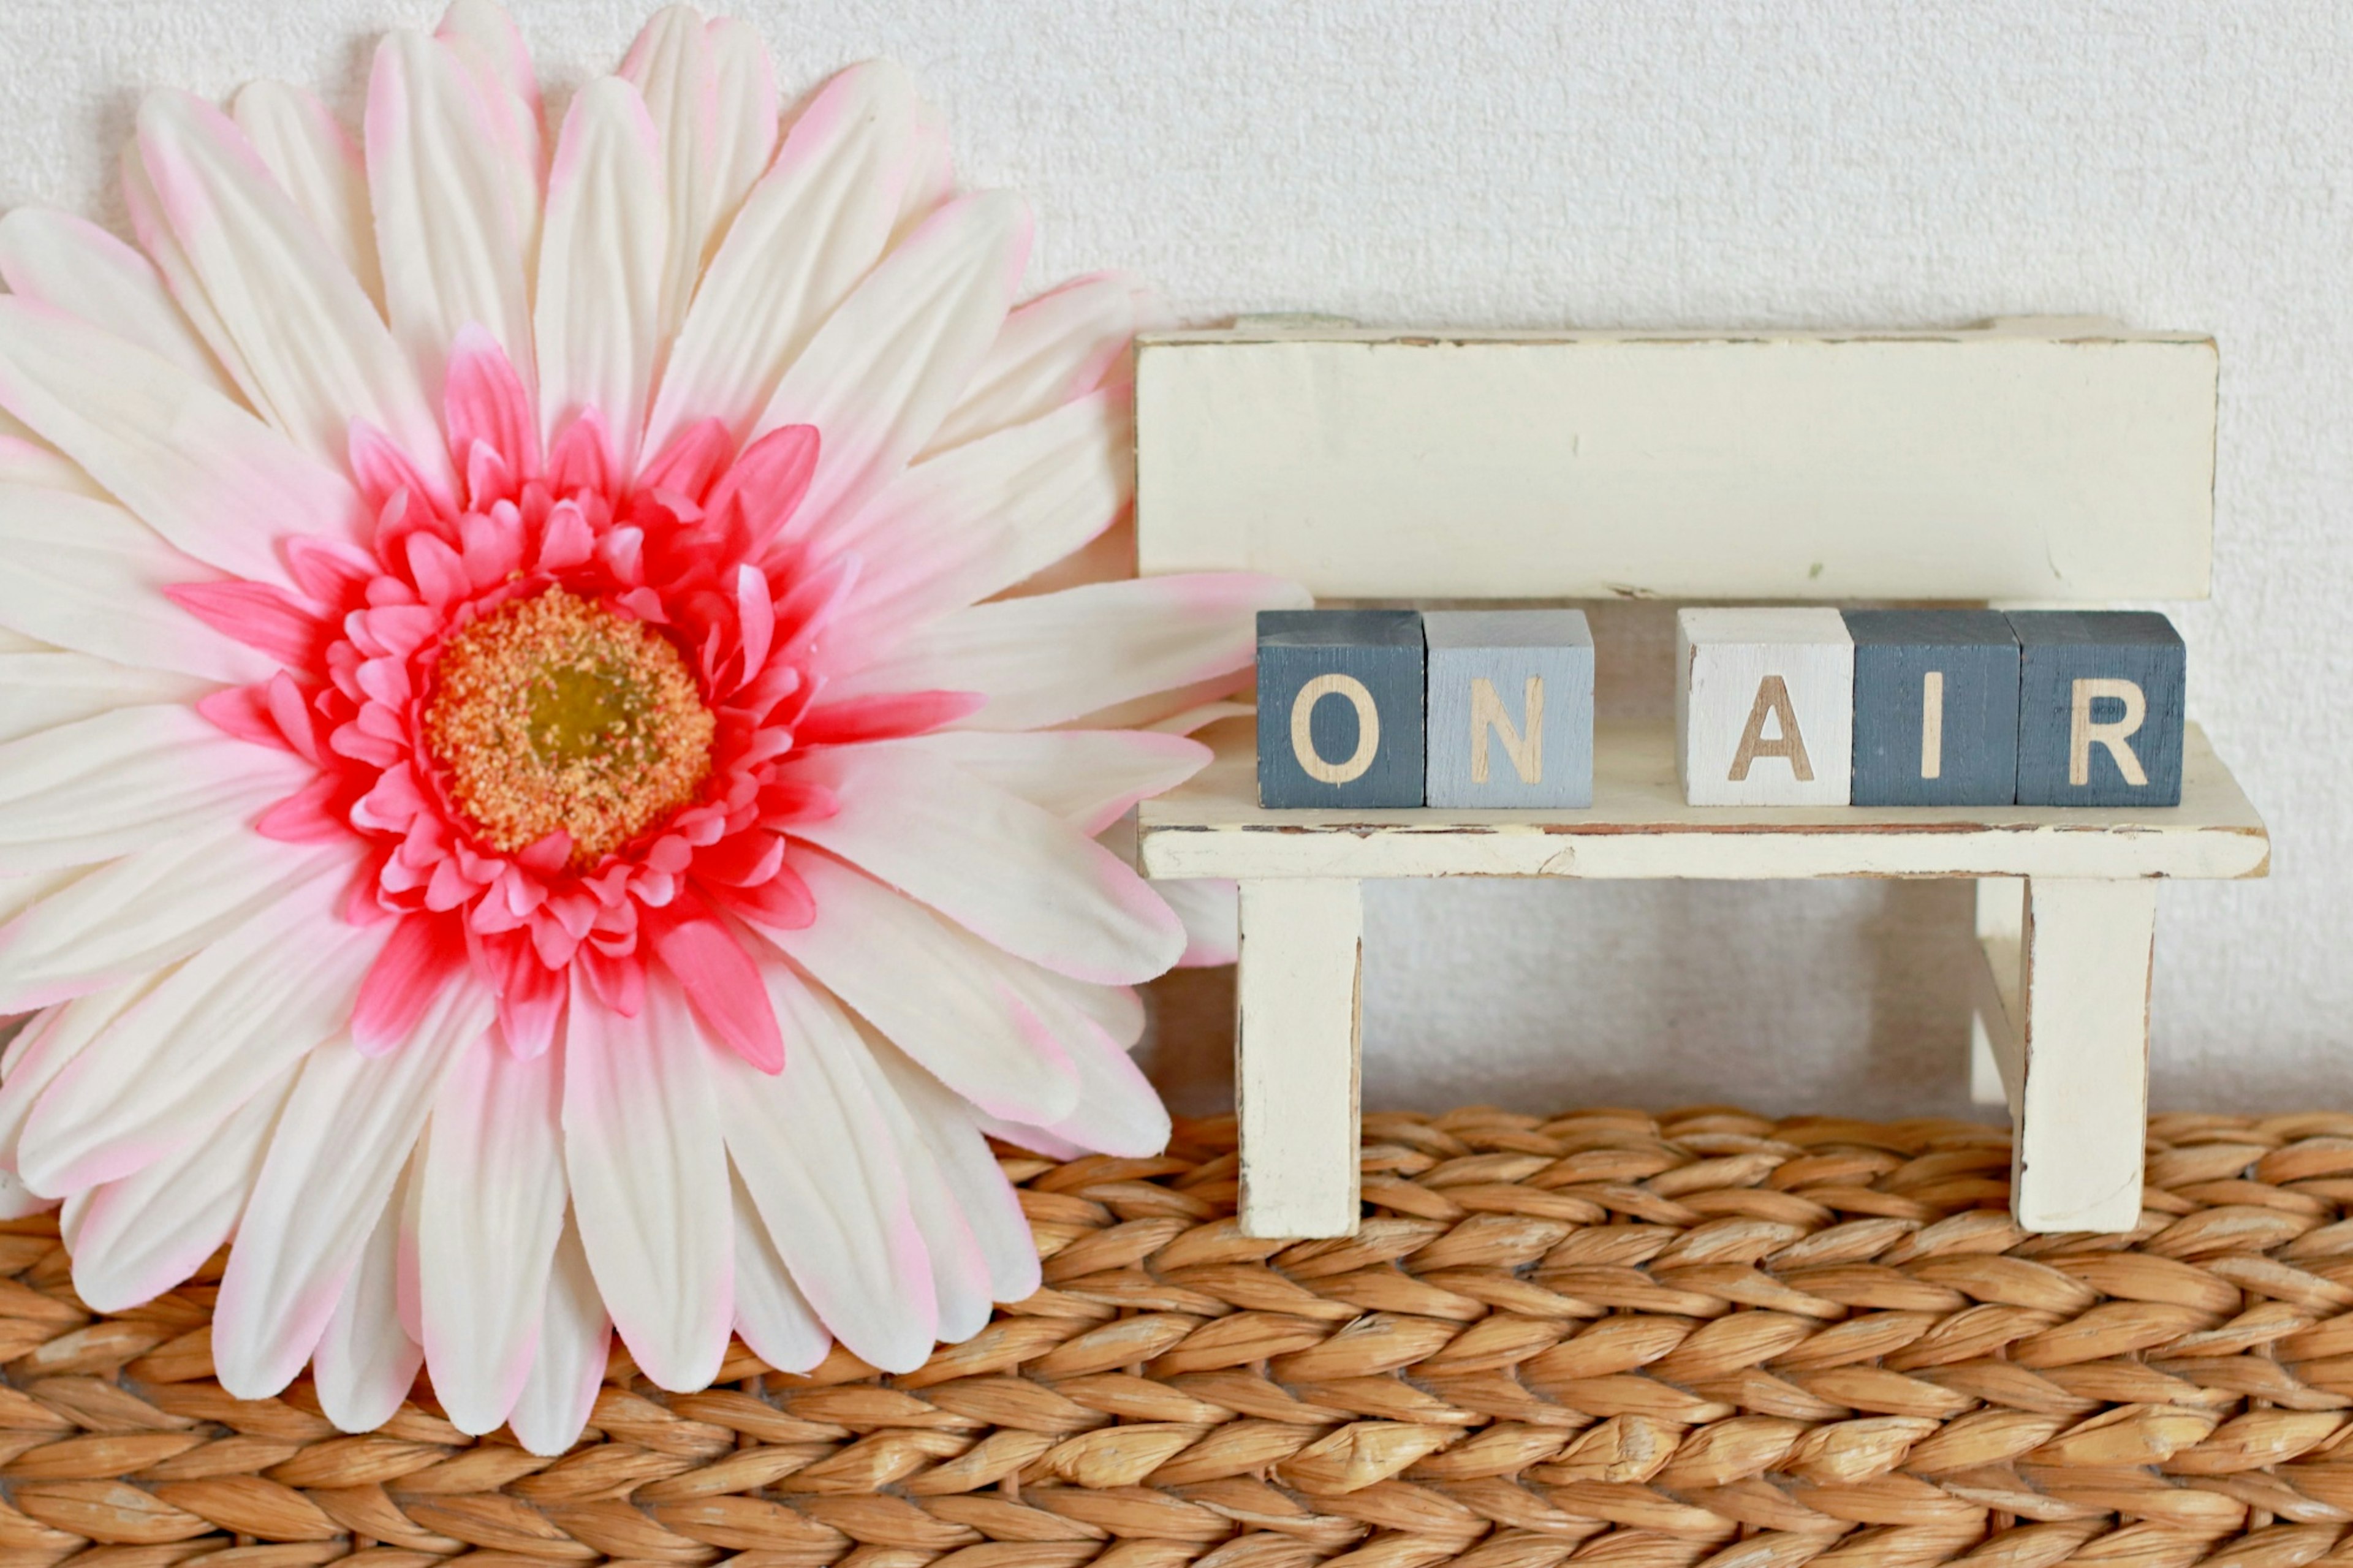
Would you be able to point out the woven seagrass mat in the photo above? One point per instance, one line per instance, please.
(1702, 1337)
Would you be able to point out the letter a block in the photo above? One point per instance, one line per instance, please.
(1339, 708)
(1511, 708)
(2099, 708)
(1764, 706)
(1935, 708)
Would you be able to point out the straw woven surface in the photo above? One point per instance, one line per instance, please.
(1707, 1338)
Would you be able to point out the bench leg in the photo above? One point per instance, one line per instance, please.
(1295, 1044)
(2065, 1006)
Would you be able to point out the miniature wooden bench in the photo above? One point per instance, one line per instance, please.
(2025, 463)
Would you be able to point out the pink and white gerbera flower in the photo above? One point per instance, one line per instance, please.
(541, 783)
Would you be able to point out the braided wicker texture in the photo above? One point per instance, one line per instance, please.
(1703, 1338)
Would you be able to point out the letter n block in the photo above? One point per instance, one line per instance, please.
(1339, 708)
(1511, 708)
(1764, 706)
(2099, 708)
(1935, 708)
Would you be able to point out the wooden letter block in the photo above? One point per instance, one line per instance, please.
(1339, 708)
(1935, 708)
(1764, 706)
(2099, 708)
(1511, 708)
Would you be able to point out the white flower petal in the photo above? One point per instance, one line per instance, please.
(333, 1168)
(1059, 347)
(215, 481)
(138, 1236)
(19, 894)
(713, 101)
(493, 54)
(443, 194)
(126, 780)
(206, 1039)
(19, 1201)
(944, 1122)
(960, 1269)
(43, 690)
(147, 909)
(822, 1168)
(957, 527)
(26, 460)
(1211, 911)
(492, 1208)
(968, 1020)
(366, 1363)
(1141, 636)
(930, 180)
(880, 375)
(641, 1142)
(744, 124)
(998, 866)
(1119, 1111)
(154, 231)
(812, 229)
(87, 576)
(574, 1339)
(318, 354)
(49, 1044)
(772, 1316)
(598, 320)
(318, 166)
(71, 265)
(1086, 777)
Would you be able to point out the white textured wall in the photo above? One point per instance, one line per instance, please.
(2173, 163)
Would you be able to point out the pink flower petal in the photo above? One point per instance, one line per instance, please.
(267, 619)
(897, 715)
(423, 955)
(723, 986)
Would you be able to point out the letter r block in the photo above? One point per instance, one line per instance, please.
(1935, 708)
(1764, 706)
(2100, 700)
(1339, 708)
(1511, 708)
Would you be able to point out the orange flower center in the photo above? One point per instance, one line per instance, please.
(556, 713)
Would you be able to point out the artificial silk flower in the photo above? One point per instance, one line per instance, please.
(545, 792)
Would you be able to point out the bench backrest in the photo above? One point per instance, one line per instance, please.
(2042, 460)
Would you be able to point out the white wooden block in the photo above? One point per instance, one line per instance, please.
(1298, 1009)
(2081, 1114)
(2028, 462)
(1764, 706)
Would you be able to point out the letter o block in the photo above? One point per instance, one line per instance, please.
(1339, 708)
(2099, 708)
(1764, 707)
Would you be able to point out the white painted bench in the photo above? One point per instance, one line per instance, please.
(2026, 463)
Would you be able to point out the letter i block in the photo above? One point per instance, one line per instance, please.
(2099, 708)
(1339, 708)
(1935, 708)
(1511, 708)
(1764, 706)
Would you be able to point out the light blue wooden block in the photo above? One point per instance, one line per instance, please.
(1511, 708)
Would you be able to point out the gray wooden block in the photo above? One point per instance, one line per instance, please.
(1339, 708)
(1935, 708)
(2100, 708)
(1510, 708)
(1764, 706)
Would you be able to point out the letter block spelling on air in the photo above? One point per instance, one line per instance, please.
(2099, 708)
(1764, 706)
(1510, 708)
(1339, 708)
(1935, 708)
